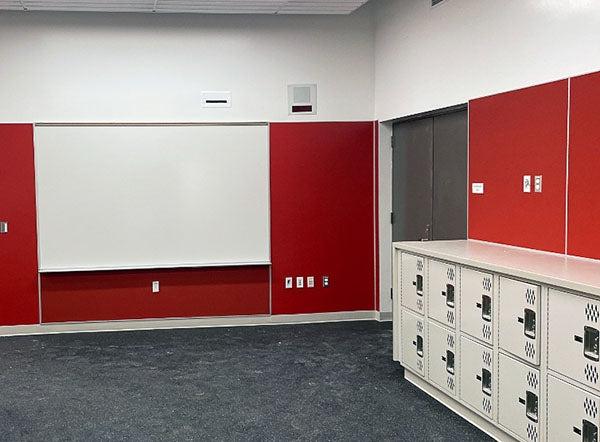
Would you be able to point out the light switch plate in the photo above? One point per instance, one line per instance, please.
(155, 286)
(537, 184)
(527, 183)
(3, 227)
(310, 282)
(477, 188)
(289, 282)
(300, 282)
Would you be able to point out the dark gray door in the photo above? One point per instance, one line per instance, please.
(412, 180)
(429, 196)
(450, 176)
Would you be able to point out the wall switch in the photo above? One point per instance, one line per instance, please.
(310, 282)
(527, 183)
(537, 184)
(3, 227)
(300, 282)
(289, 282)
(155, 286)
(325, 281)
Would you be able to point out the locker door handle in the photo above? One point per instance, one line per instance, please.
(531, 406)
(449, 361)
(486, 308)
(529, 323)
(419, 284)
(449, 294)
(591, 343)
(486, 381)
(419, 346)
(588, 432)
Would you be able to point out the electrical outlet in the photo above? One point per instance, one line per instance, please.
(325, 281)
(289, 282)
(537, 184)
(310, 282)
(300, 282)
(155, 286)
(527, 183)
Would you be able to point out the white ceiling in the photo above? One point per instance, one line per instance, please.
(189, 6)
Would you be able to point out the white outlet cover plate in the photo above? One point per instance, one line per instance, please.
(537, 184)
(310, 282)
(299, 282)
(477, 188)
(289, 282)
(155, 286)
(527, 183)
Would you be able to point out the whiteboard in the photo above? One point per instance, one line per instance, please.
(152, 196)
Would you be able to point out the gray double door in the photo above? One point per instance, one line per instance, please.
(429, 195)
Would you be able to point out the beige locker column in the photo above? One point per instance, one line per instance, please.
(477, 304)
(572, 413)
(519, 327)
(414, 282)
(574, 336)
(443, 292)
(443, 358)
(519, 398)
(477, 377)
(414, 342)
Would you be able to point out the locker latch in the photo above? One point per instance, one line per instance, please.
(420, 346)
(591, 343)
(449, 294)
(449, 359)
(531, 406)
(419, 284)
(588, 432)
(486, 308)
(529, 323)
(486, 381)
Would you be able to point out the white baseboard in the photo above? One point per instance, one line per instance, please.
(155, 324)
(383, 316)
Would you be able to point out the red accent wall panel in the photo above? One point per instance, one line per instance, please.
(584, 167)
(322, 222)
(510, 135)
(18, 248)
(111, 295)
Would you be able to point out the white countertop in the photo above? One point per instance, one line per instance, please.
(578, 274)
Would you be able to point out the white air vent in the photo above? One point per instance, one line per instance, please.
(216, 99)
(302, 99)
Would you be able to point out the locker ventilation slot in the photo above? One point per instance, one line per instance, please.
(420, 304)
(450, 273)
(532, 380)
(591, 373)
(529, 350)
(592, 313)
(450, 382)
(450, 341)
(450, 316)
(419, 327)
(487, 358)
(532, 432)
(486, 405)
(590, 407)
(530, 296)
(486, 331)
(420, 365)
(487, 284)
(419, 265)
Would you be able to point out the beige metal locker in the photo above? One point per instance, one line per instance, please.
(572, 413)
(477, 303)
(414, 282)
(477, 376)
(443, 359)
(519, 327)
(443, 292)
(414, 342)
(574, 337)
(519, 398)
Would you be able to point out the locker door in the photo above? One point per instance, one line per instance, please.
(413, 342)
(443, 293)
(477, 377)
(414, 282)
(572, 413)
(519, 393)
(443, 360)
(573, 337)
(477, 304)
(520, 319)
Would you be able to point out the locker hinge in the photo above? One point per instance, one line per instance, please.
(391, 217)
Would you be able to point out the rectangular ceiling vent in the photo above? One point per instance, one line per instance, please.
(302, 99)
(436, 2)
(216, 99)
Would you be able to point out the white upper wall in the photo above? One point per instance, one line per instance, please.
(428, 58)
(87, 67)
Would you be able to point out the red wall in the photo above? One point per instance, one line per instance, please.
(322, 215)
(18, 249)
(95, 296)
(584, 167)
(510, 135)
